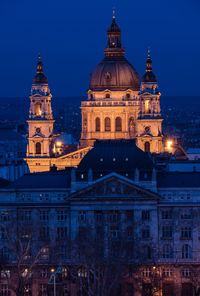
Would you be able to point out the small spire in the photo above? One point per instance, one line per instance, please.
(114, 14)
(39, 64)
(149, 61)
(40, 78)
(39, 57)
(149, 52)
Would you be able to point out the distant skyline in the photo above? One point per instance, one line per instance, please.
(71, 36)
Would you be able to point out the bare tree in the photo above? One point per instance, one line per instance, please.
(98, 263)
(23, 253)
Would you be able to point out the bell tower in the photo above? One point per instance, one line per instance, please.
(40, 122)
(149, 123)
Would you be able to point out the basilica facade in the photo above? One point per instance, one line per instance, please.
(120, 105)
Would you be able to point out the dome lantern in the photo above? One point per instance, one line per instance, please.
(114, 73)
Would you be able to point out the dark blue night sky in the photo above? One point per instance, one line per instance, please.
(71, 36)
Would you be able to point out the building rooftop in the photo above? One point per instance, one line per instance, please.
(52, 179)
(178, 179)
(116, 156)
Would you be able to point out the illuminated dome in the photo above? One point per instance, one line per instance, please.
(114, 72)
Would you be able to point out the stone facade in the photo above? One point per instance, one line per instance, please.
(120, 105)
(117, 198)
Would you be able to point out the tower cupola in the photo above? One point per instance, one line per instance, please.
(40, 77)
(149, 76)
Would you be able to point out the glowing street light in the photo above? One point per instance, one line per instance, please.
(58, 144)
(169, 145)
(53, 276)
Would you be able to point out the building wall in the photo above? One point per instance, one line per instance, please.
(173, 221)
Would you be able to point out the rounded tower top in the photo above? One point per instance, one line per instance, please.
(40, 78)
(149, 76)
(114, 72)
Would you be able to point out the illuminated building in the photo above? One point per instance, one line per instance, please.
(119, 106)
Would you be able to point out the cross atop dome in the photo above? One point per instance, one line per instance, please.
(113, 13)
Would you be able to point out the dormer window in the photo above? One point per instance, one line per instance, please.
(107, 96)
(108, 76)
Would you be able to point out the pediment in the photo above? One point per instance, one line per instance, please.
(38, 136)
(145, 94)
(78, 154)
(115, 186)
(38, 94)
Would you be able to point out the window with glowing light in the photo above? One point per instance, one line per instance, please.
(146, 107)
(38, 109)
(5, 290)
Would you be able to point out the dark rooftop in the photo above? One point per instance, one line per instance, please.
(178, 179)
(116, 156)
(52, 179)
(4, 183)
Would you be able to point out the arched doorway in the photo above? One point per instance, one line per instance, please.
(38, 148)
(147, 147)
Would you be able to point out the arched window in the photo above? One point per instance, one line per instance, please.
(147, 147)
(97, 124)
(107, 96)
(167, 251)
(38, 148)
(38, 109)
(107, 124)
(118, 124)
(186, 252)
(147, 106)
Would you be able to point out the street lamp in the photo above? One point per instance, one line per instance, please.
(54, 281)
(169, 145)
